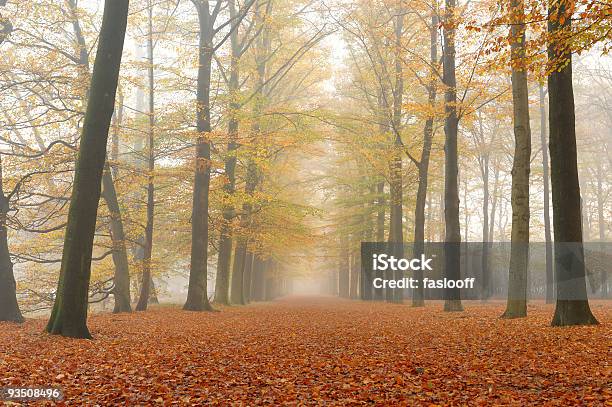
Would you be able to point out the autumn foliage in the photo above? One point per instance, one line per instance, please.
(319, 351)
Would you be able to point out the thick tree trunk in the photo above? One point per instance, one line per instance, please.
(516, 306)
(452, 253)
(572, 305)
(9, 308)
(145, 291)
(197, 292)
(421, 197)
(121, 291)
(69, 314)
(550, 274)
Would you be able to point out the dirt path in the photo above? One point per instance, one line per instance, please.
(318, 351)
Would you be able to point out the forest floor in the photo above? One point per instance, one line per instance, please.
(317, 350)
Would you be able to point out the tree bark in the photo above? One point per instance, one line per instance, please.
(354, 280)
(197, 292)
(418, 299)
(452, 253)
(240, 253)
(247, 284)
(145, 291)
(485, 172)
(9, 308)
(259, 279)
(516, 306)
(601, 222)
(396, 232)
(225, 241)
(550, 274)
(69, 314)
(572, 305)
(344, 267)
(121, 291)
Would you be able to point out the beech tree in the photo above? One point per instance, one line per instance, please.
(519, 250)
(572, 305)
(9, 309)
(197, 294)
(452, 253)
(146, 282)
(69, 314)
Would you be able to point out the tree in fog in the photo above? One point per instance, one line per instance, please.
(519, 251)
(452, 254)
(572, 305)
(69, 315)
(9, 309)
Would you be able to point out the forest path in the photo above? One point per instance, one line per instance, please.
(316, 349)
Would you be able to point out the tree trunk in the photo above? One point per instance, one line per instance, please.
(452, 253)
(354, 280)
(572, 305)
(344, 268)
(69, 314)
(121, 290)
(396, 233)
(516, 306)
(240, 253)
(197, 292)
(9, 308)
(247, 285)
(601, 221)
(225, 241)
(379, 293)
(145, 292)
(485, 171)
(259, 279)
(380, 215)
(365, 273)
(550, 275)
(418, 299)
(494, 203)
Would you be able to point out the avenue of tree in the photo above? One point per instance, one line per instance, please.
(242, 142)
